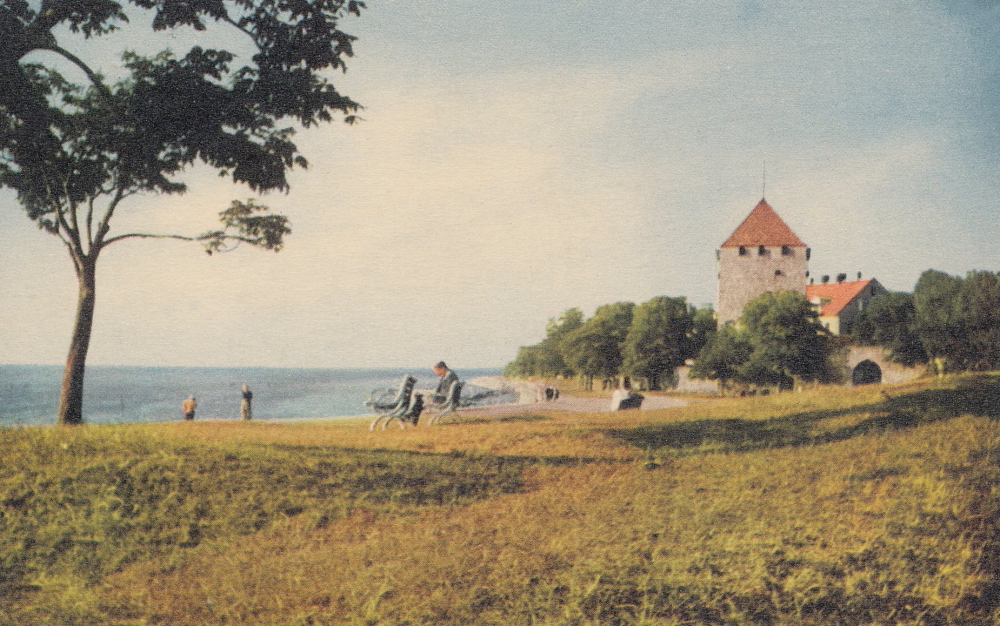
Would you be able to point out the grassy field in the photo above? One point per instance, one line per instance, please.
(830, 506)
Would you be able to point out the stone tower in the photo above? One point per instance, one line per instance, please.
(762, 254)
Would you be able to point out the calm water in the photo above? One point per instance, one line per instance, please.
(29, 394)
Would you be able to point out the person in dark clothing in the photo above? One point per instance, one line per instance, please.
(448, 377)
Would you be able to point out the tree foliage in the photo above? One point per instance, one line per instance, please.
(888, 321)
(545, 358)
(722, 357)
(958, 320)
(595, 348)
(659, 339)
(645, 341)
(778, 339)
(74, 151)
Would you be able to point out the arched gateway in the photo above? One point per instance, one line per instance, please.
(866, 372)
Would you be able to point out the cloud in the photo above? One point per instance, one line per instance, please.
(509, 169)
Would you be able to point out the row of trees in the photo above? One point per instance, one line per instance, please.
(949, 321)
(645, 341)
(778, 339)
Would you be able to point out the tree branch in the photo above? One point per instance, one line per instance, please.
(242, 29)
(91, 74)
(146, 236)
(105, 224)
(206, 237)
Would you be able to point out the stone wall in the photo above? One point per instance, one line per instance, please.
(891, 372)
(744, 277)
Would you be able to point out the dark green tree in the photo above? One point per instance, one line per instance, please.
(525, 364)
(723, 355)
(979, 306)
(595, 348)
(550, 358)
(888, 321)
(937, 318)
(787, 339)
(545, 358)
(76, 152)
(777, 340)
(659, 339)
(704, 325)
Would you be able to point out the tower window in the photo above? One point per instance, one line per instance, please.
(808, 253)
(761, 250)
(743, 250)
(786, 250)
(778, 273)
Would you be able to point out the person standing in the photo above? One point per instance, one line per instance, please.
(188, 407)
(245, 409)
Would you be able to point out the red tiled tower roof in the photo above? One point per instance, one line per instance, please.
(835, 296)
(763, 227)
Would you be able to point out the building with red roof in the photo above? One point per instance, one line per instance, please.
(840, 302)
(763, 254)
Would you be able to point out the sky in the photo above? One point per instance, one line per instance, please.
(518, 159)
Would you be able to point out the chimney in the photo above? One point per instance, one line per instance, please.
(859, 275)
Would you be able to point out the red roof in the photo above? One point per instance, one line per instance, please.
(762, 227)
(835, 296)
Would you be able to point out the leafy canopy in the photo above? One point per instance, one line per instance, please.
(778, 338)
(72, 151)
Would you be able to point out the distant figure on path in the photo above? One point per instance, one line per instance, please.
(447, 378)
(245, 410)
(188, 407)
(624, 398)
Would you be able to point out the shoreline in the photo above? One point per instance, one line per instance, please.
(530, 397)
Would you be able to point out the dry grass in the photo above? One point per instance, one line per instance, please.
(831, 506)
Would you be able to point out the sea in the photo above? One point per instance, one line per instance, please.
(29, 394)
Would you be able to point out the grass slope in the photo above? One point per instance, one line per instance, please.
(832, 506)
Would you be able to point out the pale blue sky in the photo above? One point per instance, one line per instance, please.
(521, 158)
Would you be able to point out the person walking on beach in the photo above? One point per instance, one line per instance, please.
(245, 410)
(188, 407)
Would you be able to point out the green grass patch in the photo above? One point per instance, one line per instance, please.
(976, 395)
(78, 504)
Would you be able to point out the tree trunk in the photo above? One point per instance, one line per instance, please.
(71, 395)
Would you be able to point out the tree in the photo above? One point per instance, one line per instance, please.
(888, 322)
(659, 338)
(722, 357)
(704, 327)
(778, 339)
(550, 358)
(937, 319)
(979, 306)
(787, 339)
(545, 358)
(595, 348)
(958, 320)
(75, 154)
